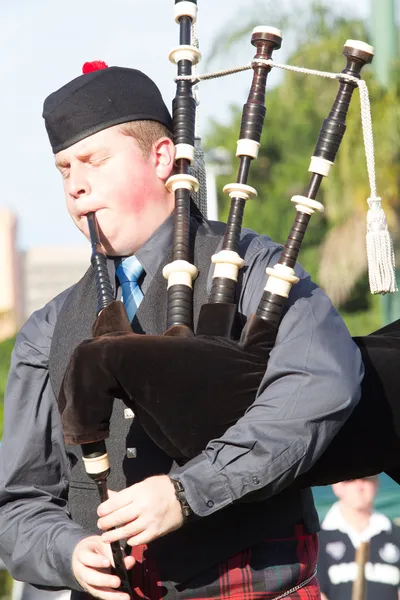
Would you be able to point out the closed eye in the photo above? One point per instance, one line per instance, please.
(96, 162)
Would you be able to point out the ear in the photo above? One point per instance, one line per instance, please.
(164, 156)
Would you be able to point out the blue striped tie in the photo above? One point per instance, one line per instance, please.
(128, 273)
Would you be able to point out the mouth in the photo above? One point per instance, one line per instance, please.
(85, 213)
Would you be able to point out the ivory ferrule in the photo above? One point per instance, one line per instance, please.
(320, 166)
(247, 148)
(97, 465)
(267, 29)
(307, 205)
(184, 52)
(185, 9)
(359, 45)
(180, 272)
(280, 280)
(227, 264)
(182, 181)
(240, 190)
(184, 151)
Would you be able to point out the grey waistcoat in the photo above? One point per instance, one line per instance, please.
(207, 541)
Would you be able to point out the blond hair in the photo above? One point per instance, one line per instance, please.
(146, 133)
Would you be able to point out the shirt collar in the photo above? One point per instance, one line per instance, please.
(155, 250)
(335, 520)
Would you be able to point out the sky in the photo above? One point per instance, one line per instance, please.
(44, 43)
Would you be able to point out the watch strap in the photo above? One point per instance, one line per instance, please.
(181, 497)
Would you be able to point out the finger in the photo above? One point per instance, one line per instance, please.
(121, 516)
(100, 579)
(129, 562)
(144, 537)
(97, 561)
(121, 533)
(115, 501)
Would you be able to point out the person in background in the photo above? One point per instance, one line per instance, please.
(349, 522)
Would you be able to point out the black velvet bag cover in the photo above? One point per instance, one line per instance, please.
(209, 382)
(188, 389)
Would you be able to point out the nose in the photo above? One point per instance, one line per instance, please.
(78, 184)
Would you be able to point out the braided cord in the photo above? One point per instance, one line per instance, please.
(364, 102)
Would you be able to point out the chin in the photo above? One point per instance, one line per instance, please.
(113, 242)
(113, 248)
(110, 249)
(362, 506)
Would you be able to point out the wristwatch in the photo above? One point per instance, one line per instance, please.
(180, 495)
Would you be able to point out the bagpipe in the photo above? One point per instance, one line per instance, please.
(187, 387)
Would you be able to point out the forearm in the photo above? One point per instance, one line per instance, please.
(310, 388)
(37, 536)
(39, 549)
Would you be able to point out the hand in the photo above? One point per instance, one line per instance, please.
(91, 563)
(143, 512)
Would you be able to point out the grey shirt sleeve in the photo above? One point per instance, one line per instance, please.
(37, 536)
(309, 389)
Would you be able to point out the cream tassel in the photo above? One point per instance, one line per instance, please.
(380, 253)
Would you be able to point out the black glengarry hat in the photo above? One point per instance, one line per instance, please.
(100, 98)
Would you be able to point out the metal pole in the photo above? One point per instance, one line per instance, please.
(384, 39)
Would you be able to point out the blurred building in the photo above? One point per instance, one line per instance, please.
(28, 280)
(10, 275)
(47, 271)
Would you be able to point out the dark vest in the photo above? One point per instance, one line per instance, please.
(207, 541)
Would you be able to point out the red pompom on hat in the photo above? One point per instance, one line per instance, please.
(95, 65)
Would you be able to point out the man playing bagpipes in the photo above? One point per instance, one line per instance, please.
(229, 521)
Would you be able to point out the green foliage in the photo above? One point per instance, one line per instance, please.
(363, 322)
(362, 312)
(6, 583)
(5, 356)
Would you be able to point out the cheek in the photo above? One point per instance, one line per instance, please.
(133, 195)
(350, 497)
(131, 203)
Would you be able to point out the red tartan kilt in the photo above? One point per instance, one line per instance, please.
(267, 570)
